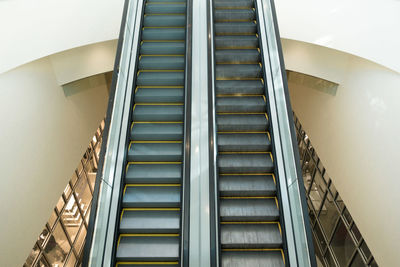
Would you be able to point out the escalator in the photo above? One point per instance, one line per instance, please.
(250, 231)
(149, 231)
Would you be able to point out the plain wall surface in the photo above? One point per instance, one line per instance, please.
(355, 133)
(366, 28)
(45, 130)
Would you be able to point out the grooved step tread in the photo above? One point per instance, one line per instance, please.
(248, 210)
(247, 185)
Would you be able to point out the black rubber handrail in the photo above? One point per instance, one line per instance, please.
(93, 210)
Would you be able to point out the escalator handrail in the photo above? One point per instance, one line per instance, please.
(99, 175)
(303, 244)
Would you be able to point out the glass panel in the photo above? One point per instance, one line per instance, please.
(52, 219)
(342, 244)
(328, 216)
(365, 250)
(71, 260)
(43, 237)
(60, 204)
(32, 257)
(67, 191)
(57, 247)
(92, 179)
(357, 261)
(320, 236)
(71, 218)
(317, 191)
(74, 178)
(347, 216)
(339, 202)
(318, 252)
(80, 168)
(356, 232)
(41, 262)
(83, 194)
(80, 240)
(311, 213)
(329, 259)
(332, 188)
(373, 263)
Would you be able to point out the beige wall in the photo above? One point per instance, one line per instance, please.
(45, 129)
(356, 134)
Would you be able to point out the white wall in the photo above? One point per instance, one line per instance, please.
(34, 29)
(355, 134)
(85, 61)
(44, 132)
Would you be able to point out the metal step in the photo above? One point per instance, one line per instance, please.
(231, 4)
(150, 221)
(164, 20)
(235, 28)
(157, 131)
(238, 71)
(240, 104)
(244, 142)
(245, 163)
(150, 196)
(262, 235)
(161, 78)
(267, 258)
(156, 173)
(159, 95)
(148, 248)
(162, 48)
(165, 8)
(247, 185)
(248, 209)
(155, 152)
(239, 87)
(236, 42)
(158, 113)
(237, 56)
(163, 34)
(165, 62)
(234, 15)
(242, 123)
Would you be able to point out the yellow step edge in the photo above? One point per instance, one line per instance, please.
(146, 263)
(239, 63)
(233, 7)
(160, 86)
(243, 152)
(269, 136)
(233, 20)
(165, 14)
(164, 27)
(161, 55)
(239, 95)
(159, 71)
(165, 3)
(157, 122)
(147, 209)
(241, 132)
(159, 104)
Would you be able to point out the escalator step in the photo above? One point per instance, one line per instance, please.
(247, 42)
(162, 48)
(138, 196)
(166, 78)
(157, 131)
(158, 113)
(154, 173)
(165, 8)
(163, 34)
(155, 152)
(268, 258)
(164, 20)
(248, 210)
(234, 15)
(159, 95)
(240, 104)
(238, 71)
(233, 4)
(246, 236)
(239, 87)
(245, 163)
(235, 28)
(150, 221)
(242, 123)
(237, 56)
(148, 248)
(243, 142)
(246, 185)
(166, 62)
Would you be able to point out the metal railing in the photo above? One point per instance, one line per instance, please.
(63, 237)
(337, 240)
